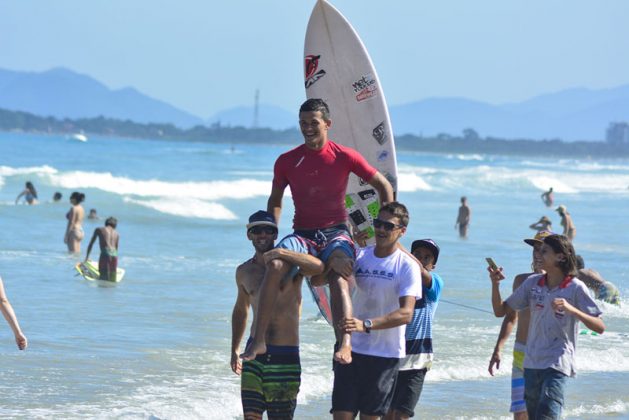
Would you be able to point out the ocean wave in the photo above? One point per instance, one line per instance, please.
(187, 207)
(31, 170)
(501, 178)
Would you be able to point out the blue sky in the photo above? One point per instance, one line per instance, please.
(205, 56)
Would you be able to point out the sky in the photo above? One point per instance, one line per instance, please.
(205, 56)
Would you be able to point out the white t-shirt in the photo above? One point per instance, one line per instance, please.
(380, 283)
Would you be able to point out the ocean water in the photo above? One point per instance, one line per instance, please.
(157, 345)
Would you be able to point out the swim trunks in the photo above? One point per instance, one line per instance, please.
(108, 264)
(607, 292)
(517, 379)
(271, 382)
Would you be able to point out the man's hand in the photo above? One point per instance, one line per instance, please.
(349, 325)
(344, 266)
(273, 254)
(562, 305)
(495, 275)
(361, 237)
(495, 360)
(236, 364)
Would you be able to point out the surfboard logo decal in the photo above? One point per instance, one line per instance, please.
(365, 87)
(311, 66)
(382, 156)
(380, 134)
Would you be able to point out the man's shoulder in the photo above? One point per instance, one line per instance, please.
(519, 279)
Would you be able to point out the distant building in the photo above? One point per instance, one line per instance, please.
(618, 133)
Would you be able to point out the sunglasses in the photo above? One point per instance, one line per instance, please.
(257, 230)
(377, 223)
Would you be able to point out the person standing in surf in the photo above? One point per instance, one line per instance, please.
(388, 285)
(317, 173)
(569, 229)
(74, 229)
(463, 218)
(108, 239)
(557, 301)
(261, 388)
(548, 198)
(9, 315)
(29, 194)
(519, 319)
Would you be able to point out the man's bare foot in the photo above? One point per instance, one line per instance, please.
(253, 349)
(344, 355)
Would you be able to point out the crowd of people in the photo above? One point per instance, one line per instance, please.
(383, 332)
(108, 242)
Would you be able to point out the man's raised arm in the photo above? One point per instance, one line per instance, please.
(383, 186)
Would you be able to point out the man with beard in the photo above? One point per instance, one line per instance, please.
(271, 381)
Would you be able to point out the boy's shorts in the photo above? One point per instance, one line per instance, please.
(408, 389)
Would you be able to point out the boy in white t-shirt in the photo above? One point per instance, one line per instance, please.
(388, 282)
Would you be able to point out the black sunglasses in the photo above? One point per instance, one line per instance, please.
(377, 223)
(269, 230)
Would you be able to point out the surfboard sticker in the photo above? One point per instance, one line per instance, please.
(338, 69)
(89, 271)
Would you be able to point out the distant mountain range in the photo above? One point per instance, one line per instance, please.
(573, 114)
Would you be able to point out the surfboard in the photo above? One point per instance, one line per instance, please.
(89, 271)
(338, 69)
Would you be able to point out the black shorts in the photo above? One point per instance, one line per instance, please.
(366, 385)
(408, 388)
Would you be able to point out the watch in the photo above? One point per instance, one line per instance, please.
(368, 325)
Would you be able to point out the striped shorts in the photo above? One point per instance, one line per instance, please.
(271, 382)
(517, 379)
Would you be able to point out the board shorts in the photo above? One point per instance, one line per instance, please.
(608, 293)
(108, 265)
(408, 388)
(517, 379)
(320, 243)
(366, 385)
(271, 382)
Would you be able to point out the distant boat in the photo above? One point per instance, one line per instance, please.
(79, 137)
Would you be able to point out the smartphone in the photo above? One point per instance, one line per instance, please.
(491, 263)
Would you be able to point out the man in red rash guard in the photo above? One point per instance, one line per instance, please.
(317, 173)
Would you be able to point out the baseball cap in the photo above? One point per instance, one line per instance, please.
(427, 243)
(261, 218)
(561, 209)
(539, 237)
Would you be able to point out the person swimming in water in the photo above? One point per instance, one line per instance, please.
(74, 229)
(108, 240)
(29, 194)
(548, 198)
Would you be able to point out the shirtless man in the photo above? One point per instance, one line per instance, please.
(603, 289)
(108, 240)
(547, 197)
(317, 173)
(521, 318)
(259, 390)
(463, 219)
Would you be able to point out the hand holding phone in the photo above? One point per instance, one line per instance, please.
(491, 263)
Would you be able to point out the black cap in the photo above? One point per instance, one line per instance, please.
(261, 218)
(426, 243)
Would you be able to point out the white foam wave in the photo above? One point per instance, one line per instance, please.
(466, 157)
(600, 410)
(187, 207)
(31, 170)
(208, 190)
(410, 182)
